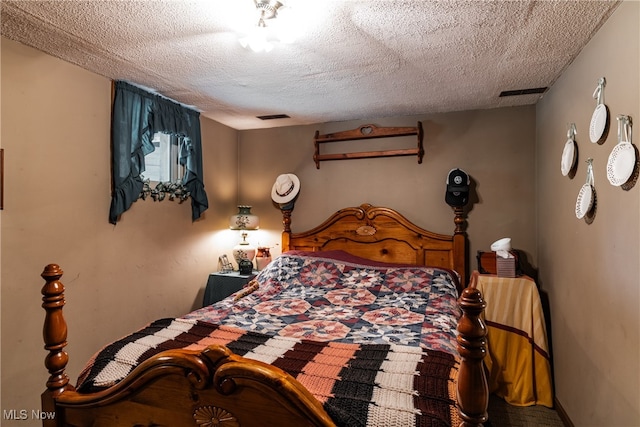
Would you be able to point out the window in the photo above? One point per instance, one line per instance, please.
(162, 165)
(137, 115)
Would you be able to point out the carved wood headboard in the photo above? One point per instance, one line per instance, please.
(383, 234)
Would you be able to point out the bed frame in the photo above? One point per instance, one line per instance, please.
(218, 388)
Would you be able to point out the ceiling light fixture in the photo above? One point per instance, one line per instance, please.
(257, 40)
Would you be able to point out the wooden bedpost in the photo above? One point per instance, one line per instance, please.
(55, 337)
(460, 244)
(473, 392)
(459, 219)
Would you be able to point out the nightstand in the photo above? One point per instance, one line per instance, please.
(221, 285)
(518, 359)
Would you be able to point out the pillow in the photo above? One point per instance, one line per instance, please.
(340, 255)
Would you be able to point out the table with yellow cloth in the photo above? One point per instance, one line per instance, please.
(518, 355)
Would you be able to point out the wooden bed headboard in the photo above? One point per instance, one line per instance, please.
(383, 234)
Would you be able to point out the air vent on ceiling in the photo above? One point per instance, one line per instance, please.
(273, 117)
(531, 91)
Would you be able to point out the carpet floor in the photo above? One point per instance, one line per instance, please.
(501, 414)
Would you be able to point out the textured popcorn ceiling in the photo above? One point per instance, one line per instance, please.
(352, 59)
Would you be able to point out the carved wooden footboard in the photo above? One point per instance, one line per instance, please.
(215, 387)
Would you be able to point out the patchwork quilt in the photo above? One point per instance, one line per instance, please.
(334, 296)
(374, 343)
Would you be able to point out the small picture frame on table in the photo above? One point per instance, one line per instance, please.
(224, 265)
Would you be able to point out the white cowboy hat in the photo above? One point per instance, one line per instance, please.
(286, 188)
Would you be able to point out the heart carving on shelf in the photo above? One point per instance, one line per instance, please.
(366, 130)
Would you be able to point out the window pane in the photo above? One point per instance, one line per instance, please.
(158, 163)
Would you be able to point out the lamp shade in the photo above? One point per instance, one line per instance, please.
(244, 219)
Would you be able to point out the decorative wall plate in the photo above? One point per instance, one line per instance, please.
(621, 162)
(598, 123)
(584, 202)
(600, 116)
(622, 159)
(568, 157)
(569, 151)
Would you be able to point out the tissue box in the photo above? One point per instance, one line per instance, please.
(505, 267)
(489, 263)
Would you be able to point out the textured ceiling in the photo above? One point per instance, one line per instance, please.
(352, 59)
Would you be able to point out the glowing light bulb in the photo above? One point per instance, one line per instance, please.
(256, 40)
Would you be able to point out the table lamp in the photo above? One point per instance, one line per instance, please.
(244, 220)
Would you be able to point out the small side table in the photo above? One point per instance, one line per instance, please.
(221, 285)
(518, 358)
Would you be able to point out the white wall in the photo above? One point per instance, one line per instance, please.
(479, 142)
(154, 263)
(591, 268)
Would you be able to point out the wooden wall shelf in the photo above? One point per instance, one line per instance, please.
(368, 132)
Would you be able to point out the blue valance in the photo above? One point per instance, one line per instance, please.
(137, 115)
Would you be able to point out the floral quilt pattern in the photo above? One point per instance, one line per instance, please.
(324, 299)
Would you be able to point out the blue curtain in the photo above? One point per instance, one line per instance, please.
(137, 115)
